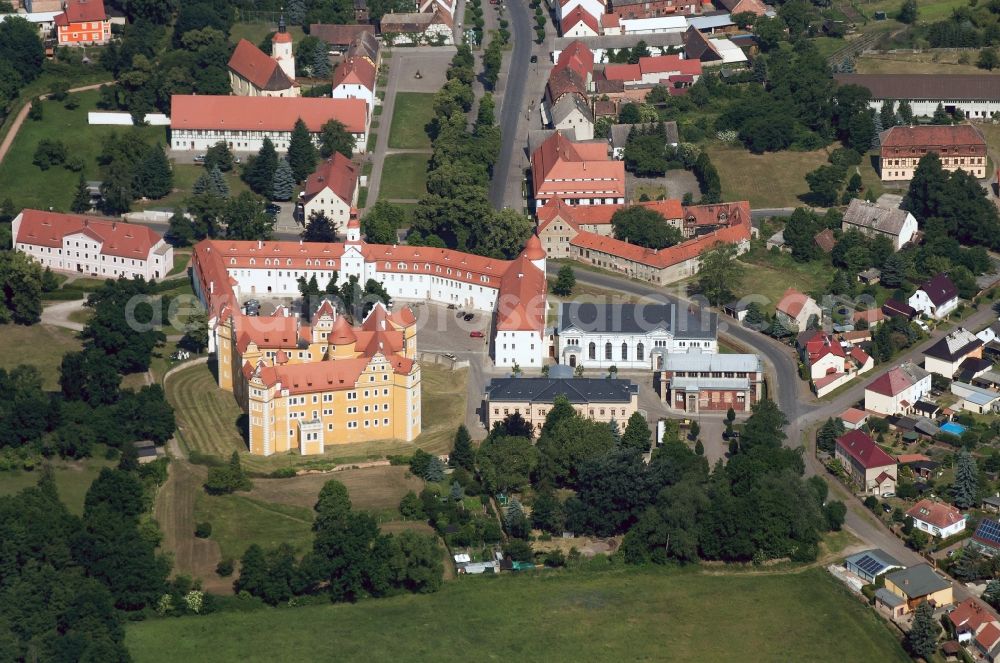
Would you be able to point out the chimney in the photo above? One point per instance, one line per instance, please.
(260, 244)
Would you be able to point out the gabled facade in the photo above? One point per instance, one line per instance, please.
(937, 518)
(796, 309)
(355, 79)
(897, 390)
(579, 173)
(945, 356)
(332, 189)
(104, 248)
(696, 382)
(935, 298)
(870, 468)
(960, 147)
(874, 220)
(252, 73)
(83, 23)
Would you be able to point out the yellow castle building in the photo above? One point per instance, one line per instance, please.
(305, 387)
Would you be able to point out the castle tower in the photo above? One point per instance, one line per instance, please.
(354, 229)
(534, 252)
(281, 49)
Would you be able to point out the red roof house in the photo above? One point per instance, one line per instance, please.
(937, 518)
(82, 22)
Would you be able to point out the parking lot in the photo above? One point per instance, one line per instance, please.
(443, 330)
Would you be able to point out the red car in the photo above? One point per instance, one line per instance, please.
(476, 334)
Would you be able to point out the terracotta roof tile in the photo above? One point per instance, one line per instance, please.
(355, 71)
(79, 11)
(623, 72)
(673, 64)
(931, 136)
(117, 238)
(220, 112)
(579, 15)
(862, 448)
(339, 174)
(939, 514)
(260, 69)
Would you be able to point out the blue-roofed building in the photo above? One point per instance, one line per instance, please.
(987, 537)
(869, 564)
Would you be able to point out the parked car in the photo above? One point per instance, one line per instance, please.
(271, 209)
(476, 334)
(237, 160)
(448, 355)
(534, 59)
(887, 508)
(452, 307)
(460, 314)
(199, 158)
(251, 302)
(468, 317)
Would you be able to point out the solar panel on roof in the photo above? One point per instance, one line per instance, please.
(989, 530)
(869, 565)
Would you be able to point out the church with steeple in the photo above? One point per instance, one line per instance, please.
(253, 73)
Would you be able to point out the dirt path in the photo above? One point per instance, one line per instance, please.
(19, 120)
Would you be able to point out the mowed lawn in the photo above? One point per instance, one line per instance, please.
(207, 421)
(928, 11)
(613, 615)
(41, 346)
(238, 521)
(404, 176)
(766, 277)
(774, 179)
(29, 186)
(410, 116)
(73, 479)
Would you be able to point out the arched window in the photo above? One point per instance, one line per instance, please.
(607, 350)
(624, 351)
(640, 352)
(592, 350)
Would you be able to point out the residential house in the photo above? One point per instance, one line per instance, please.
(830, 363)
(897, 309)
(896, 390)
(986, 539)
(695, 382)
(252, 73)
(711, 51)
(976, 95)
(990, 333)
(870, 468)
(579, 173)
(354, 78)
(960, 146)
(579, 23)
(935, 298)
(600, 399)
(631, 336)
(870, 564)
(742, 6)
(567, 103)
(672, 71)
(974, 368)
(593, 8)
(82, 23)
(969, 618)
(414, 28)
(976, 399)
(610, 25)
(889, 604)
(43, 21)
(796, 309)
(988, 642)
(918, 584)
(579, 59)
(332, 190)
(874, 220)
(92, 246)
(633, 9)
(937, 518)
(871, 318)
(945, 356)
(199, 121)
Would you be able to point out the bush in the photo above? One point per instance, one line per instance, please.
(225, 568)
(283, 473)
(869, 592)
(203, 530)
(49, 153)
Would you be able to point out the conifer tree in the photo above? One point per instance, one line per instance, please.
(283, 182)
(154, 177)
(81, 199)
(302, 154)
(462, 455)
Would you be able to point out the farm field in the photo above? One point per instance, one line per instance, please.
(41, 346)
(412, 112)
(208, 421)
(614, 615)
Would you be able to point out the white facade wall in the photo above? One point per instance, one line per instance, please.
(941, 366)
(826, 365)
(951, 530)
(81, 254)
(582, 125)
(922, 303)
(657, 25)
(524, 348)
(593, 7)
(242, 141)
(333, 206)
(354, 91)
(581, 29)
(624, 349)
(972, 109)
(887, 405)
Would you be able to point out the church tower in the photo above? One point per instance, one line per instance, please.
(281, 49)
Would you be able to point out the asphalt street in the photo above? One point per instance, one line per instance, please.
(513, 98)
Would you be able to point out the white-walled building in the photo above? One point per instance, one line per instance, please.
(227, 272)
(897, 390)
(91, 246)
(197, 122)
(945, 356)
(937, 518)
(935, 298)
(874, 220)
(976, 95)
(332, 189)
(355, 79)
(631, 336)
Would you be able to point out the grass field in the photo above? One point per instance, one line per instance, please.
(404, 176)
(73, 479)
(613, 615)
(371, 488)
(29, 186)
(769, 276)
(207, 421)
(41, 346)
(412, 112)
(181, 260)
(775, 179)
(928, 11)
(917, 63)
(185, 175)
(239, 521)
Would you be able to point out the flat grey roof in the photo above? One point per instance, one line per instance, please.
(545, 390)
(722, 362)
(888, 598)
(682, 322)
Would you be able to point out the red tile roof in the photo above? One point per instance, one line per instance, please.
(266, 332)
(989, 636)
(260, 69)
(859, 446)
(673, 64)
(355, 71)
(931, 136)
(870, 316)
(853, 415)
(970, 615)
(903, 459)
(610, 20)
(623, 72)
(339, 174)
(719, 213)
(892, 383)
(339, 35)
(579, 15)
(939, 514)
(220, 112)
(792, 302)
(117, 238)
(564, 80)
(860, 356)
(560, 166)
(577, 57)
(79, 11)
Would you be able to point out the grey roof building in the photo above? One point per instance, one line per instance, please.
(869, 564)
(872, 220)
(545, 390)
(683, 322)
(917, 581)
(620, 133)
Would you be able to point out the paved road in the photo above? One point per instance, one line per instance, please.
(803, 410)
(513, 100)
